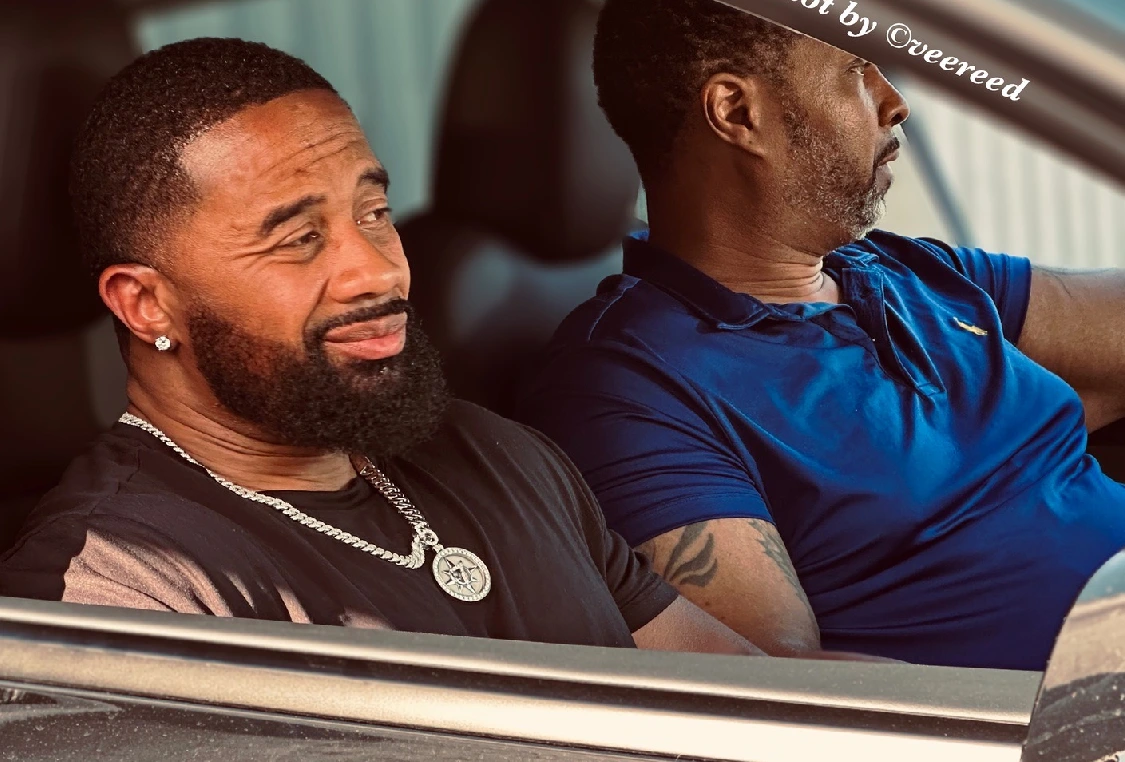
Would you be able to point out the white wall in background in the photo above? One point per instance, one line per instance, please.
(1019, 195)
(388, 59)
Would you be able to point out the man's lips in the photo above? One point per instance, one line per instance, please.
(895, 146)
(372, 340)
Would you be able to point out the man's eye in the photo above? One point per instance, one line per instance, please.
(308, 238)
(375, 215)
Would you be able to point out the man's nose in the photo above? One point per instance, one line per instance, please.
(896, 110)
(363, 268)
(893, 108)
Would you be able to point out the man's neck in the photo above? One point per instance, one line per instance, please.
(754, 263)
(232, 449)
(746, 237)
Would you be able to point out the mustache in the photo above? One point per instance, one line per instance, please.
(892, 146)
(366, 314)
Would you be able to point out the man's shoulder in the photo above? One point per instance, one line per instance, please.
(632, 326)
(916, 254)
(127, 534)
(128, 511)
(110, 467)
(106, 488)
(114, 532)
(624, 308)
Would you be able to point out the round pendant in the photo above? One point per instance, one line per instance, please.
(462, 574)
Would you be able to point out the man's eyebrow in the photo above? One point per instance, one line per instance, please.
(376, 176)
(285, 213)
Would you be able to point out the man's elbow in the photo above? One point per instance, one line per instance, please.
(732, 643)
(799, 648)
(685, 627)
(787, 643)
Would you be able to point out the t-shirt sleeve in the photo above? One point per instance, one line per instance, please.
(105, 561)
(652, 458)
(1005, 278)
(640, 594)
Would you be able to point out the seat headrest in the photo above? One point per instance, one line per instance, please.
(525, 151)
(50, 74)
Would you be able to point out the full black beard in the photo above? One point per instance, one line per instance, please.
(378, 408)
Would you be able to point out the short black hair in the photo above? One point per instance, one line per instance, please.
(652, 58)
(127, 183)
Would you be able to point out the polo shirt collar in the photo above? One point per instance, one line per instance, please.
(725, 308)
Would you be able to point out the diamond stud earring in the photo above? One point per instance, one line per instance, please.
(163, 343)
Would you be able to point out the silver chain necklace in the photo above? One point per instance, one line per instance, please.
(458, 572)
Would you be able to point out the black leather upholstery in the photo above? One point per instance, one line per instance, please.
(532, 194)
(1108, 446)
(51, 68)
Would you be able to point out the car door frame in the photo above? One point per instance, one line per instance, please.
(620, 700)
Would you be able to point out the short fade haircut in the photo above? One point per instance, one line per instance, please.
(652, 58)
(127, 184)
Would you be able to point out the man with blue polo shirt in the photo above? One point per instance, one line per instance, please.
(827, 437)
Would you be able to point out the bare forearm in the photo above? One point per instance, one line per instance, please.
(762, 601)
(687, 628)
(1075, 327)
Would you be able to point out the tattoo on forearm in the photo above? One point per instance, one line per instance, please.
(774, 549)
(692, 560)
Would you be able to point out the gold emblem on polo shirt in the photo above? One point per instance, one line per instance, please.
(970, 328)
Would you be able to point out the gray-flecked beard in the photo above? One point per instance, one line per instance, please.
(824, 184)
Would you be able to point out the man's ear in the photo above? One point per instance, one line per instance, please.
(733, 107)
(141, 298)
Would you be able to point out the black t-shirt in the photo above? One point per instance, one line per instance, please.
(133, 524)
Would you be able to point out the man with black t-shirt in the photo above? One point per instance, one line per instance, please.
(288, 433)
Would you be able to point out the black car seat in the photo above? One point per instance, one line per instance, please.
(60, 374)
(532, 194)
(1108, 446)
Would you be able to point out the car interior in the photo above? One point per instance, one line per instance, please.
(531, 193)
(60, 380)
(178, 686)
(512, 196)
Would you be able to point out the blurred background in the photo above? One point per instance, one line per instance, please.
(509, 189)
(391, 60)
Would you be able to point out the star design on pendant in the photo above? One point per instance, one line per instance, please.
(461, 574)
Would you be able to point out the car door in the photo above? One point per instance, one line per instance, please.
(1078, 716)
(90, 682)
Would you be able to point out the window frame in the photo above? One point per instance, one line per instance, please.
(656, 703)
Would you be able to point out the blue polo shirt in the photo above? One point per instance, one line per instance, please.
(930, 482)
